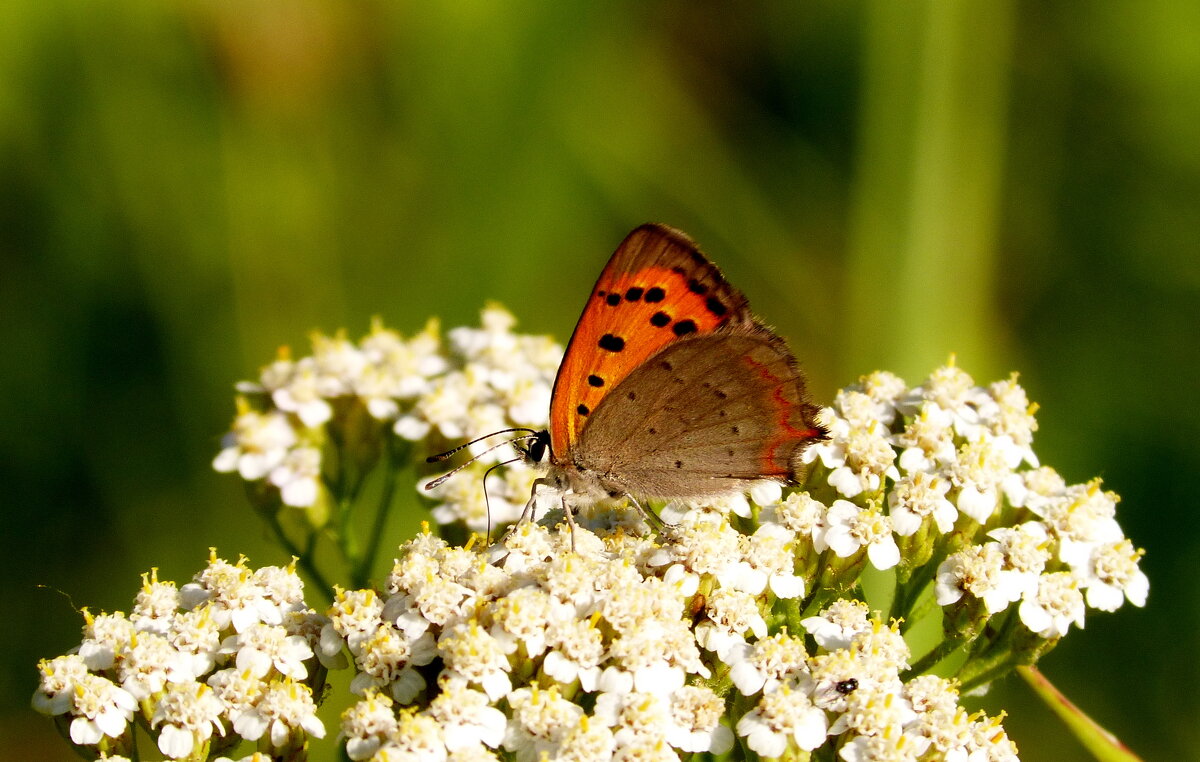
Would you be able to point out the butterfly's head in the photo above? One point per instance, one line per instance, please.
(538, 447)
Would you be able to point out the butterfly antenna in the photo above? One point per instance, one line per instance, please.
(438, 481)
(487, 502)
(442, 456)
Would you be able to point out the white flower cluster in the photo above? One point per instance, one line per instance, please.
(282, 420)
(613, 642)
(851, 688)
(233, 653)
(953, 456)
(595, 654)
(478, 381)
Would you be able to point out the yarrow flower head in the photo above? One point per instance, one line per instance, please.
(653, 630)
(181, 663)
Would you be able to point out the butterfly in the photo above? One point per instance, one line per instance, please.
(670, 387)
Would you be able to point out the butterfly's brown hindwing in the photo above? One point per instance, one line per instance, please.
(703, 416)
(655, 290)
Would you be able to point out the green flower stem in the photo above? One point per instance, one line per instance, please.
(306, 557)
(931, 659)
(925, 602)
(791, 613)
(347, 537)
(362, 572)
(1101, 743)
(977, 672)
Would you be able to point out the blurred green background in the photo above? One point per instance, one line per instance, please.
(187, 185)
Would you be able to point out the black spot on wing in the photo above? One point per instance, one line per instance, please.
(660, 319)
(684, 327)
(654, 294)
(613, 300)
(583, 410)
(633, 294)
(696, 287)
(595, 380)
(716, 306)
(611, 343)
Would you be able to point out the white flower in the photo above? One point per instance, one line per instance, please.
(635, 716)
(1013, 416)
(523, 617)
(918, 497)
(989, 742)
(461, 498)
(1026, 550)
(927, 441)
(799, 513)
(56, 687)
(284, 709)
(195, 635)
(731, 614)
(783, 717)
(388, 658)
(860, 408)
(653, 658)
(766, 493)
(576, 651)
(188, 713)
(474, 655)
(695, 725)
(839, 623)
(1036, 489)
(1054, 606)
(850, 528)
(875, 724)
(588, 741)
(354, 615)
(766, 663)
(769, 561)
(302, 394)
(1084, 513)
(979, 571)
(105, 636)
(100, 709)
(858, 457)
(236, 597)
(263, 646)
(157, 603)
(298, 477)
(417, 737)
(540, 720)
(467, 718)
(258, 443)
(953, 390)
(367, 724)
(979, 472)
(1110, 575)
(702, 545)
(149, 663)
(238, 691)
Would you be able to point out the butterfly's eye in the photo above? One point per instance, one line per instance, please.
(537, 450)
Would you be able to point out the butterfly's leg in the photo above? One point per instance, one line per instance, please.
(570, 520)
(648, 514)
(527, 513)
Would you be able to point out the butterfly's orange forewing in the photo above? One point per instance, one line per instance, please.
(656, 289)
